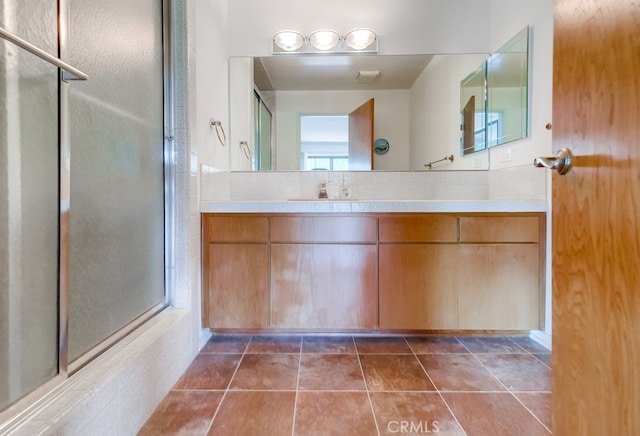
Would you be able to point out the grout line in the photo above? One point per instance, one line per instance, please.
(438, 390)
(366, 386)
(295, 400)
(512, 392)
(529, 410)
(519, 346)
(224, 396)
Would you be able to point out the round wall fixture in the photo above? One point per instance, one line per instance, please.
(381, 146)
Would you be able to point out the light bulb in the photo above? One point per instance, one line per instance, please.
(324, 39)
(359, 39)
(288, 40)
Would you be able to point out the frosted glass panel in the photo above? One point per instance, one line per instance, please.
(117, 209)
(28, 201)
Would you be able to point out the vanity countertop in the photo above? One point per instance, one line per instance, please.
(374, 206)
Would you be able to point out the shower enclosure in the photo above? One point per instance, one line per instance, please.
(83, 246)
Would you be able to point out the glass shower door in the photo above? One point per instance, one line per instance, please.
(29, 205)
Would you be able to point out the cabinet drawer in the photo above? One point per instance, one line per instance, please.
(418, 228)
(500, 229)
(324, 229)
(236, 228)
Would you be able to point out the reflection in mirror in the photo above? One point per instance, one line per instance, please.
(472, 109)
(507, 85)
(263, 155)
(416, 105)
(494, 98)
(324, 142)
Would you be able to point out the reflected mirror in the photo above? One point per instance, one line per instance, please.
(415, 109)
(508, 91)
(494, 98)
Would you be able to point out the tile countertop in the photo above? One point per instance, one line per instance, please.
(378, 206)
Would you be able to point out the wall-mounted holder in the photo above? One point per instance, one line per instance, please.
(430, 164)
(244, 145)
(222, 136)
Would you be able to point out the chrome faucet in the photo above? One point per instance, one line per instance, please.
(323, 190)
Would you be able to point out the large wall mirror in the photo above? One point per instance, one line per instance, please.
(494, 98)
(414, 116)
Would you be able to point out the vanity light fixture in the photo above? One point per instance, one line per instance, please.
(325, 41)
(360, 39)
(288, 40)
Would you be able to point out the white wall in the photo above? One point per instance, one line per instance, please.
(435, 114)
(241, 112)
(403, 26)
(391, 121)
(507, 17)
(212, 81)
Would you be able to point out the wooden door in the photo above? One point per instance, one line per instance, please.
(596, 208)
(361, 137)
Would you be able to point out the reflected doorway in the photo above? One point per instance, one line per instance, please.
(324, 142)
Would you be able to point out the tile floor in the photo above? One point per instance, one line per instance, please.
(315, 385)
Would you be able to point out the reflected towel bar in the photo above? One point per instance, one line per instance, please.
(428, 165)
(71, 72)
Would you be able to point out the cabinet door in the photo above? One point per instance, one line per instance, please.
(498, 286)
(238, 280)
(328, 286)
(418, 286)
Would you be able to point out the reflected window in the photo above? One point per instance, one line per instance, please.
(490, 130)
(324, 142)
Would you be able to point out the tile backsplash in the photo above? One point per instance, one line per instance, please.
(517, 183)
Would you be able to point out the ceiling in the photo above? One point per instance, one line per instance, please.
(336, 71)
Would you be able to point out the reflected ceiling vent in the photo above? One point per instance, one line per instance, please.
(367, 76)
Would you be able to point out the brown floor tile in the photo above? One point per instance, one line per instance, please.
(226, 344)
(539, 403)
(274, 344)
(334, 413)
(413, 413)
(459, 372)
(267, 371)
(255, 413)
(544, 358)
(518, 372)
(436, 344)
(399, 372)
(530, 345)
(328, 344)
(330, 372)
(209, 371)
(495, 414)
(382, 345)
(183, 413)
(479, 344)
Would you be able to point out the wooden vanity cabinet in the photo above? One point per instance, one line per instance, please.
(499, 272)
(418, 272)
(324, 272)
(394, 271)
(236, 272)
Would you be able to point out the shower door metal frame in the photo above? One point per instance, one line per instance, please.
(18, 413)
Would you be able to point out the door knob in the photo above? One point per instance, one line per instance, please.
(561, 162)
